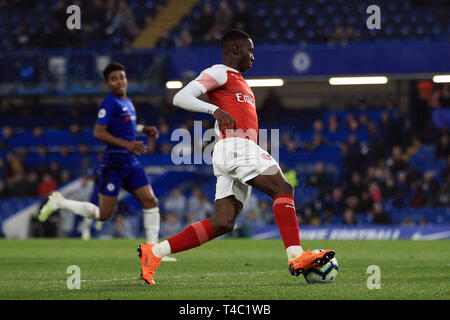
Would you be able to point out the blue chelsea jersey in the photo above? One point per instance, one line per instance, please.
(119, 117)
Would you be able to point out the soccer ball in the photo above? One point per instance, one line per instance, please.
(325, 274)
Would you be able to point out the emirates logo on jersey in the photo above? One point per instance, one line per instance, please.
(245, 98)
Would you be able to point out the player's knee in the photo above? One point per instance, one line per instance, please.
(221, 226)
(285, 188)
(105, 215)
(150, 202)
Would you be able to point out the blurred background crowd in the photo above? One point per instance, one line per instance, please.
(367, 162)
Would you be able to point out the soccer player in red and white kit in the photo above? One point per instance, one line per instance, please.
(239, 163)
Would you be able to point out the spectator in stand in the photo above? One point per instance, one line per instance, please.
(443, 147)
(165, 40)
(288, 144)
(354, 157)
(320, 179)
(265, 212)
(355, 186)
(446, 171)
(321, 37)
(444, 194)
(333, 124)
(375, 192)
(379, 216)
(55, 171)
(86, 157)
(204, 23)
(363, 121)
(122, 228)
(75, 130)
(376, 151)
(22, 39)
(193, 202)
(317, 141)
(402, 183)
(396, 161)
(110, 9)
(318, 126)
(205, 208)
(13, 165)
(46, 186)
(255, 219)
(17, 185)
(385, 129)
(95, 21)
(389, 189)
(32, 180)
(3, 188)
(271, 105)
(64, 152)
(170, 226)
(185, 39)
(418, 197)
(175, 202)
(191, 218)
(123, 18)
(349, 217)
(351, 35)
(338, 36)
(335, 204)
(351, 122)
(37, 132)
(445, 96)
(431, 188)
(366, 202)
(7, 132)
(242, 17)
(42, 152)
(222, 22)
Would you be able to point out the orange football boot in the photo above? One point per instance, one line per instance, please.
(149, 262)
(308, 260)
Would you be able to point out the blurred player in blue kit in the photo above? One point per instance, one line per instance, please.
(119, 167)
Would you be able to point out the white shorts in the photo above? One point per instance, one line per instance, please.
(236, 161)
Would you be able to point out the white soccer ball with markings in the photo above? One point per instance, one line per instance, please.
(325, 274)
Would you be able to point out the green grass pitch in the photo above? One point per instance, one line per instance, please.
(222, 269)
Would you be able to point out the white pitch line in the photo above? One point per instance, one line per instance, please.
(176, 277)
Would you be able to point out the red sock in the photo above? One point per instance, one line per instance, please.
(286, 219)
(191, 237)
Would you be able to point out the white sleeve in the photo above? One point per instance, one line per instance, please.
(209, 79)
(212, 78)
(187, 98)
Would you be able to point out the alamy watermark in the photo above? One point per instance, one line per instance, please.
(74, 280)
(374, 280)
(251, 147)
(374, 20)
(74, 20)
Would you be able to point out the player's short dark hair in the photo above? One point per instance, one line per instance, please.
(233, 35)
(113, 66)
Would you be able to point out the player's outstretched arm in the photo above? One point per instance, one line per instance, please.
(187, 98)
(101, 134)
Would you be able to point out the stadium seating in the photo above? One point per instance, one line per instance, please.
(309, 22)
(39, 21)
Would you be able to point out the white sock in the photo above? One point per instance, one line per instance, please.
(293, 252)
(162, 249)
(151, 224)
(84, 209)
(86, 228)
